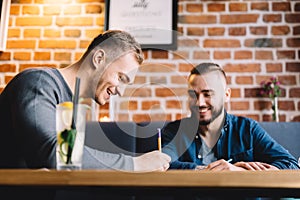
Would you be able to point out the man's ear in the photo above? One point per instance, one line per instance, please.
(227, 94)
(98, 58)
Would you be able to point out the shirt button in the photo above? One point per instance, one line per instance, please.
(196, 137)
(199, 156)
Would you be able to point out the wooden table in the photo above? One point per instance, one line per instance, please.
(177, 183)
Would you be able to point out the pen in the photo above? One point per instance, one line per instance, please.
(229, 160)
(159, 139)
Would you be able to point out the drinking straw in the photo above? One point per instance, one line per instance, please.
(73, 131)
(75, 103)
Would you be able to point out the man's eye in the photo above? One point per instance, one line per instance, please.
(123, 79)
(208, 94)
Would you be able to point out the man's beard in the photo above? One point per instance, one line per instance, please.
(215, 114)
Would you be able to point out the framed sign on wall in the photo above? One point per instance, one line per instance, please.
(4, 9)
(152, 22)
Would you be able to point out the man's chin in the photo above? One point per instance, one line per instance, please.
(204, 122)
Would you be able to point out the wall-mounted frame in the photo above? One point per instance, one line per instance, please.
(152, 22)
(5, 10)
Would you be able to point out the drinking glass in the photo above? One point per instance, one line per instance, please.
(70, 141)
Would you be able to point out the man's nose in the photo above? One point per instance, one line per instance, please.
(201, 100)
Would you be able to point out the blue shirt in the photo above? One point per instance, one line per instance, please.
(241, 139)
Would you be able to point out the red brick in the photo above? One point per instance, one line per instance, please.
(241, 68)
(237, 7)
(239, 18)
(72, 33)
(93, 9)
(13, 33)
(180, 79)
(185, 67)
(26, 66)
(158, 80)
(286, 54)
(192, 19)
(215, 31)
(287, 80)
(252, 92)
(263, 42)
(237, 31)
(181, 55)
(259, 30)
(168, 92)
(22, 56)
(59, 44)
(221, 43)
(235, 92)
(280, 30)
(296, 118)
(21, 44)
(201, 55)
(263, 6)
(296, 30)
(286, 105)
(244, 80)
(294, 92)
(160, 54)
(42, 56)
(173, 104)
(281, 6)
(262, 105)
(240, 105)
(5, 55)
(32, 33)
(157, 67)
(293, 66)
(274, 67)
(263, 55)
(30, 10)
(138, 92)
(51, 10)
(195, 31)
(74, 21)
(194, 7)
(215, 7)
(219, 55)
(188, 42)
(293, 42)
(297, 7)
(292, 18)
(272, 18)
(242, 54)
(15, 9)
(33, 21)
(139, 80)
(129, 105)
(8, 68)
(62, 56)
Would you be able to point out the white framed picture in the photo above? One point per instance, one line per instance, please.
(5, 10)
(152, 22)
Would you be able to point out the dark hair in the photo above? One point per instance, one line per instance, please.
(204, 68)
(116, 43)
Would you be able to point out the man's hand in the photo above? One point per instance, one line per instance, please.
(152, 161)
(255, 166)
(221, 165)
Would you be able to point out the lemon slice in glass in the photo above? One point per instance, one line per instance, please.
(67, 113)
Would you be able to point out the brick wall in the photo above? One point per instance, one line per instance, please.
(252, 40)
